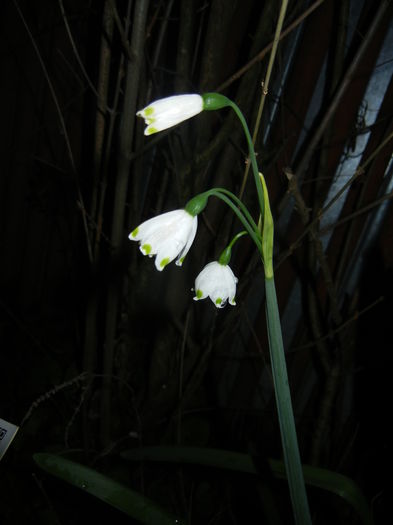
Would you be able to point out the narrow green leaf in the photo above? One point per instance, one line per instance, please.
(324, 479)
(267, 232)
(106, 489)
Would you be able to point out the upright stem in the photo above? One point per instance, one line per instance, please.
(286, 419)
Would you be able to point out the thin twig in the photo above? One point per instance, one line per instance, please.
(75, 49)
(337, 330)
(356, 213)
(266, 50)
(181, 374)
(63, 127)
(50, 393)
(342, 88)
(265, 87)
(360, 171)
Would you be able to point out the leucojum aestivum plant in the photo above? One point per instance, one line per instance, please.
(169, 236)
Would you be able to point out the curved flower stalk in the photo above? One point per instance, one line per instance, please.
(167, 236)
(167, 112)
(218, 282)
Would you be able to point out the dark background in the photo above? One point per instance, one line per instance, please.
(102, 353)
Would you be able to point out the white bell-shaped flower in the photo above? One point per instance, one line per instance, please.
(218, 282)
(167, 112)
(167, 236)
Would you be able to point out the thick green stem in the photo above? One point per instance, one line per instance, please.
(284, 408)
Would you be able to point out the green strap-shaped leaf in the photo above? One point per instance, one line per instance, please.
(267, 232)
(316, 477)
(106, 489)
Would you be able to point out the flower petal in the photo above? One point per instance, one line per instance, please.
(167, 236)
(218, 282)
(167, 112)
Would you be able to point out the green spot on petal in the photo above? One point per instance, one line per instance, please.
(150, 131)
(135, 232)
(218, 300)
(181, 260)
(146, 248)
(164, 262)
(199, 294)
(149, 111)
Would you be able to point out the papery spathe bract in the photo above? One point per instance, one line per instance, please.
(167, 112)
(167, 236)
(218, 282)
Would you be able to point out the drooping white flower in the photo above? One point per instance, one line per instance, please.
(218, 282)
(167, 236)
(167, 112)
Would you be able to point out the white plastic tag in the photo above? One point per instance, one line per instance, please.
(7, 434)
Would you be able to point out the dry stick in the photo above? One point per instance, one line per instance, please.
(126, 132)
(266, 50)
(64, 130)
(158, 46)
(181, 373)
(314, 238)
(345, 259)
(304, 162)
(109, 138)
(330, 366)
(265, 87)
(75, 50)
(102, 108)
(357, 173)
(123, 33)
(98, 192)
(316, 137)
(358, 212)
(337, 330)
(103, 82)
(51, 393)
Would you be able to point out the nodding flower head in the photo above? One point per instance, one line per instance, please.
(167, 112)
(166, 236)
(218, 282)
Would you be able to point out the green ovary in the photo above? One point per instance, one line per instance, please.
(164, 262)
(146, 248)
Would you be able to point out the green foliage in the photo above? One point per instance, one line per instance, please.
(324, 479)
(106, 489)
